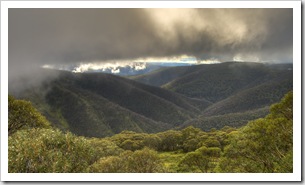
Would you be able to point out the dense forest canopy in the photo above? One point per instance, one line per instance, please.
(262, 145)
(203, 96)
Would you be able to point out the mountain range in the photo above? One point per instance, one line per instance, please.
(205, 96)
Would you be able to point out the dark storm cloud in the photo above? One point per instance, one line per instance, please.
(56, 36)
(71, 35)
(223, 33)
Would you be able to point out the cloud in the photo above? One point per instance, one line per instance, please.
(113, 67)
(72, 36)
(224, 33)
(135, 64)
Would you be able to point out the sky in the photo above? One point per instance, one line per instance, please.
(38, 37)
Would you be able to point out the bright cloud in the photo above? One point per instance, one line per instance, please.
(135, 64)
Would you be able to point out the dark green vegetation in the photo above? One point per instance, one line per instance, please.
(23, 115)
(262, 145)
(231, 87)
(231, 119)
(96, 104)
(205, 119)
(216, 82)
(204, 96)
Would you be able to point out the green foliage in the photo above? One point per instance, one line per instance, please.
(101, 105)
(192, 138)
(131, 145)
(152, 141)
(165, 75)
(209, 151)
(170, 161)
(230, 87)
(42, 150)
(140, 161)
(216, 82)
(129, 140)
(202, 159)
(111, 164)
(191, 144)
(284, 109)
(190, 132)
(171, 140)
(104, 147)
(236, 120)
(144, 161)
(22, 115)
(253, 98)
(263, 145)
(152, 102)
(194, 161)
(210, 142)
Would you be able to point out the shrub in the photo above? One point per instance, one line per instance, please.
(42, 150)
(140, 161)
(22, 115)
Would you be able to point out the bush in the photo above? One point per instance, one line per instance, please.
(140, 161)
(22, 115)
(171, 140)
(263, 145)
(104, 147)
(194, 162)
(42, 150)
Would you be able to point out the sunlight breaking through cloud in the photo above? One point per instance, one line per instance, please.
(136, 64)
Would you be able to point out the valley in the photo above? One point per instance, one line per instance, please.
(116, 88)
(205, 96)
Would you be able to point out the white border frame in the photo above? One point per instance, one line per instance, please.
(295, 176)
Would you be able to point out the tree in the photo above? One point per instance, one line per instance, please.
(22, 115)
(263, 145)
(144, 161)
(171, 140)
(152, 141)
(203, 159)
(129, 140)
(140, 161)
(212, 142)
(191, 144)
(41, 150)
(104, 147)
(190, 132)
(191, 138)
(193, 161)
(131, 145)
(111, 164)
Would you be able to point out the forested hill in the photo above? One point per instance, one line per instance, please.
(205, 96)
(97, 104)
(231, 86)
(261, 146)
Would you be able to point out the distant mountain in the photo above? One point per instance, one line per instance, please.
(205, 96)
(97, 104)
(236, 119)
(235, 86)
(165, 75)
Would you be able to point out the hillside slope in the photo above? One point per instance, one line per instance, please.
(96, 104)
(165, 75)
(230, 86)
